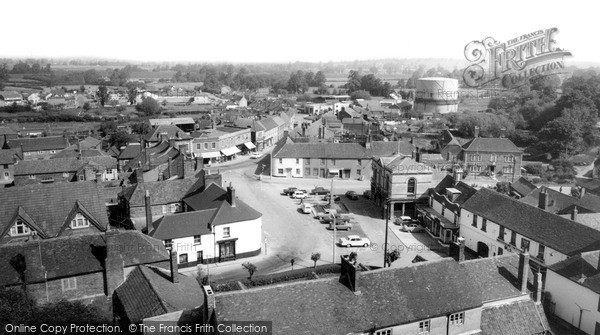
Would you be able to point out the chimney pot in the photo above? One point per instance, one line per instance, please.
(148, 207)
(231, 195)
(574, 214)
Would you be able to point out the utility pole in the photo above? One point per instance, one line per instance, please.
(385, 243)
(332, 212)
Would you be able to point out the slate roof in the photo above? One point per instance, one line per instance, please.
(183, 224)
(521, 317)
(77, 254)
(39, 143)
(268, 124)
(382, 149)
(251, 123)
(48, 205)
(325, 306)
(7, 131)
(322, 150)
(162, 192)
(561, 203)
(496, 144)
(131, 151)
(466, 191)
(522, 186)
(170, 131)
(148, 291)
(558, 233)
(56, 165)
(583, 269)
(8, 156)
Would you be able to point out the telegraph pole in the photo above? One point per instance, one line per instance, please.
(332, 212)
(385, 243)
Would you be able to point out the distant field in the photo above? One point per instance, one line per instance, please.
(338, 80)
(84, 67)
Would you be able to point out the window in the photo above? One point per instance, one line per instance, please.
(68, 283)
(280, 171)
(199, 146)
(412, 186)
(358, 172)
(307, 171)
(541, 251)
(65, 174)
(183, 258)
(213, 145)
(31, 176)
(513, 238)
(280, 160)
(6, 174)
(457, 319)
(384, 332)
(226, 232)
(168, 243)
(52, 151)
(484, 224)
(315, 172)
(205, 146)
(19, 229)
(5, 166)
(297, 160)
(81, 177)
(197, 239)
(524, 244)
(297, 171)
(424, 327)
(164, 209)
(474, 224)
(493, 158)
(79, 221)
(475, 158)
(307, 161)
(360, 162)
(509, 159)
(333, 161)
(174, 208)
(501, 234)
(508, 169)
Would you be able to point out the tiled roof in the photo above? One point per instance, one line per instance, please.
(131, 151)
(162, 192)
(154, 156)
(39, 143)
(496, 144)
(523, 186)
(183, 224)
(583, 269)
(382, 149)
(245, 123)
(268, 123)
(558, 233)
(76, 254)
(49, 205)
(387, 297)
(8, 156)
(322, 150)
(56, 165)
(170, 131)
(148, 291)
(171, 121)
(466, 191)
(7, 131)
(562, 203)
(521, 317)
(404, 164)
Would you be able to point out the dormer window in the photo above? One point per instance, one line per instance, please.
(79, 221)
(19, 229)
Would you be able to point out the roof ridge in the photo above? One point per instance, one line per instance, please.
(153, 288)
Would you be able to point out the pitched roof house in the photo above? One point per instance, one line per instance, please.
(39, 147)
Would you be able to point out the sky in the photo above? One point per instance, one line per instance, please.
(257, 31)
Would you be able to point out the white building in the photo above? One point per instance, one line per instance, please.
(216, 227)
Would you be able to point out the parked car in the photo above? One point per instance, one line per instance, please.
(335, 197)
(319, 190)
(255, 155)
(289, 190)
(299, 194)
(402, 220)
(352, 195)
(367, 194)
(306, 207)
(338, 218)
(340, 225)
(411, 228)
(354, 241)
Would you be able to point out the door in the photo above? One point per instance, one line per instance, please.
(347, 174)
(288, 171)
(200, 257)
(322, 173)
(226, 251)
(482, 249)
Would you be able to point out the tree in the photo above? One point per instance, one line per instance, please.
(503, 187)
(315, 258)
(250, 267)
(360, 94)
(120, 139)
(132, 95)
(102, 94)
(297, 82)
(320, 78)
(141, 128)
(148, 106)
(87, 106)
(108, 127)
(354, 81)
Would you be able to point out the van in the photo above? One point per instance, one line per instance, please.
(306, 207)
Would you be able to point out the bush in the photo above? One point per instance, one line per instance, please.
(536, 180)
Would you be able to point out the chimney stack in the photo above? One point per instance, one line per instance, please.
(543, 199)
(502, 132)
(523, 271)
(139, 175)
(174, 266)
(209, 301)
(461, 249)
(476, 132)
(231, 195)
(574, 214)
(582, 192)
(538, 288)
(350, 275)
(457, 174)
(148, 205)
(114, 267)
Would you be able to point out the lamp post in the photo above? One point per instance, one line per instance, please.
(385, 243)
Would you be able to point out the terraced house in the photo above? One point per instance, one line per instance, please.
(222, 143)
(38, 147)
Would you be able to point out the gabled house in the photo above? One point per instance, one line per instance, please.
(216, 227)
(11, 97)
(35, 212)
(8, 159)
(127, 153)
(172, 134)
(494, 223)
(38, 148)
(521, 187)
(87, 268)
(494, 156)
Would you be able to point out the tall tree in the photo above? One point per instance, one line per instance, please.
(320, 78)
(102, 94)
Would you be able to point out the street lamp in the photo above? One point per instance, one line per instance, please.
(385, 243)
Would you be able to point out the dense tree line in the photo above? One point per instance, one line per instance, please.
(369, 83)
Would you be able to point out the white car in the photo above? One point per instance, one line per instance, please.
(354, 241)
(299, 194)
(255, 155)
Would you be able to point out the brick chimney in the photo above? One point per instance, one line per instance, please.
(457, 174)
(148, 205)
(174, 266)
(461, 249)
(113, 265)
(350, 275)
(476, 132)
(189, 167)
(231, 195)
(538, 288)
(209, 301)
(523, 271)
(574, 214)
(582, 192)
(139, 175)
(417, 156)
(543, 199)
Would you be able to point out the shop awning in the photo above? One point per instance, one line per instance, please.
(250, 145)
(334, 171)
(213, 154)
(230, 151)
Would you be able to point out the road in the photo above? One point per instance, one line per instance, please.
(290, 234)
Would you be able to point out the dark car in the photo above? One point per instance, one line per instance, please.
(319, 190)
(338, 218)
(289, 190)
(352, 195)
(335, 197)
(340, 225)
(367, 194)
